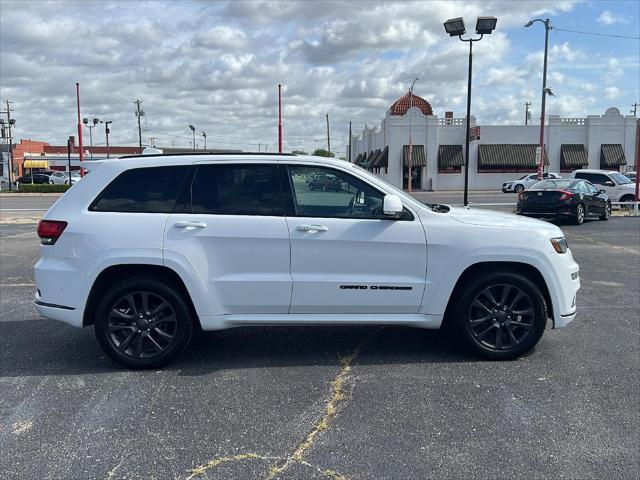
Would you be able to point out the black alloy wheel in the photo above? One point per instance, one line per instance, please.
(500, 315)
(143, 323)
(607, 212)
(578, 218)
(519, 188)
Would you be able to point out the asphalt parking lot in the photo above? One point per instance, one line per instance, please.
(337, 403)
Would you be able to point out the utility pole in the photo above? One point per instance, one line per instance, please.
(139, 113)
(328, 138)
(152, 141)
(279, 118)
(10, 122)
(349, 142)
(259, 147)
(635, 108)
(527, 113)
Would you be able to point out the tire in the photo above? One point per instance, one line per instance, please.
(475, 325)
(627, 198)
(607, 212)
(121, 324)
(519, 188)
(578, 217)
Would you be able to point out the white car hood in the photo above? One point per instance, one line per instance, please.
(490, 218)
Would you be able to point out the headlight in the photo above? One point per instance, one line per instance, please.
(559, 244)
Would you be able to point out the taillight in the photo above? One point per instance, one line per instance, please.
(50, 230)
(566, 195)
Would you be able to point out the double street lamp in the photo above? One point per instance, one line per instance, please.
(90, 127)
(204, 135)
(545, 90)
(455, 28)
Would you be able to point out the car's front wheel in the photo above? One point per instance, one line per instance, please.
(500, 315)
(519, 188)
(607, 212)
(142, 322)
(578, 217)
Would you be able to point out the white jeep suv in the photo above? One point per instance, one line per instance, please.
(619, 187)
(148, 247)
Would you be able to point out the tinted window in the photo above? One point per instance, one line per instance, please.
(234, 190)
(150, 190)
(552, 184)
(595, 178)
(324, 192)
(590, 188)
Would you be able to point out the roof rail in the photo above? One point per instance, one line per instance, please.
(268, 154)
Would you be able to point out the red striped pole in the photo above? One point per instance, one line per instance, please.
(79, 131)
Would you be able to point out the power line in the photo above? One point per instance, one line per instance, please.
(596, 34)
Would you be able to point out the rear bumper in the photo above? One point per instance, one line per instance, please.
(62, 313)
(61, 289)
(544, 211)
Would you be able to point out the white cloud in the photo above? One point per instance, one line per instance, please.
(611, 93)
(217, 65)
(607, 17)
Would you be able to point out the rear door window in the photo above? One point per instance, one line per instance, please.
(142, 190)
(236, 189)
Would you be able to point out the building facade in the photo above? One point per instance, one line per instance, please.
(497, 153)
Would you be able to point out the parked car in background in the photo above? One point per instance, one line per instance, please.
(618, 186)
(156, 246)
(62, 178)
(325, 183)
(39, 178)
(631, 175)
(569, 198)
(524, 182)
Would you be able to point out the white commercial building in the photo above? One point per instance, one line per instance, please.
(497, 152)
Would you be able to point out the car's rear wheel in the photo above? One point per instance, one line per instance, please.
(607, 212)
(578, 217)
(143, 322)
(519, 188)
(627, 199)
(500, 315)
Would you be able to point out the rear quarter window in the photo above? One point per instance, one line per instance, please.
(142, 190)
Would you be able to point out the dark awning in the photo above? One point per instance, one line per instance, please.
(371, 158)
(573, 155)
(612, 155)
(450, 156)
(518, 155)
(363, 159)
(418, 158)
(383, 156)
(357, 159)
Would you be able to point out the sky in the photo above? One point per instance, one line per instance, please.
(217, 65)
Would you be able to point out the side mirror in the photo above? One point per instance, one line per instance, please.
(609, 183)
(392, 206)
(601, 192)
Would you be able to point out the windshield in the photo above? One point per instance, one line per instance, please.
(619, 178)
(523, 177)
(552, 184)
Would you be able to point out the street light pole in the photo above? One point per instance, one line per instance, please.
(193, 132)
(410, 131)
(455, 28)
(106, 132)
(204, 134)
(547, 27)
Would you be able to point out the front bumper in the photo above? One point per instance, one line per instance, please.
(564, 288)
(507, 188)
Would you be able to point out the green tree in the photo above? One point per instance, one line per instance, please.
(299, 152)
(321, 152)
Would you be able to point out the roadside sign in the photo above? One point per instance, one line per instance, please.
(538, 155)
(474, 134)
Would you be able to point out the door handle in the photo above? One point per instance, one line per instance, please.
(190, 224)
(312, 228)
